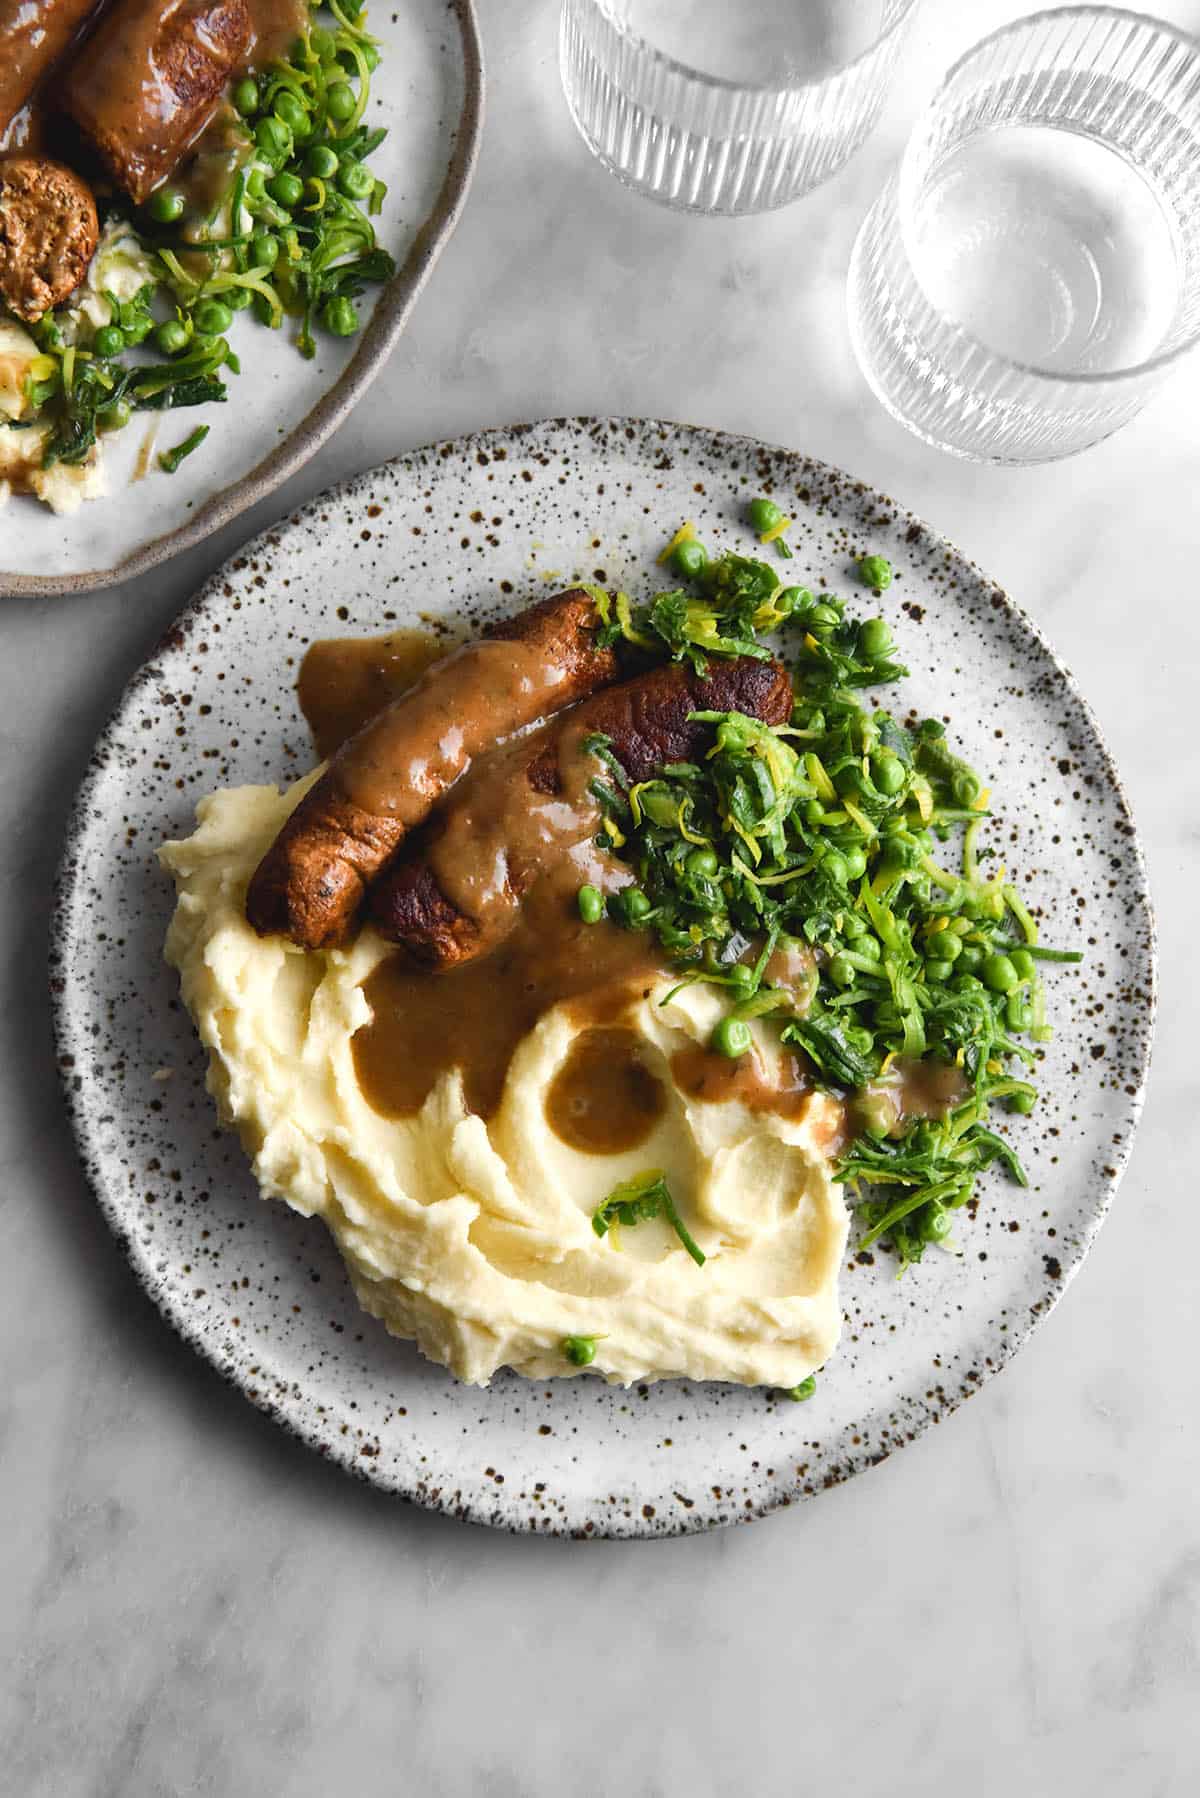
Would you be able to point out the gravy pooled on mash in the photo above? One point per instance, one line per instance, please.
(458, 1129)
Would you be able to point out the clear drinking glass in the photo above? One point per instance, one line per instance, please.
(1032, 271)
(727, 106)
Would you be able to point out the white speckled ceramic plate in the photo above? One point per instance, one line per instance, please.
(457, 529)
(280, 410)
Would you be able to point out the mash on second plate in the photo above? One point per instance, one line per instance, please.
(475, 1239)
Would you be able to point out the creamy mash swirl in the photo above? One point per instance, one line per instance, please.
(474, 1238)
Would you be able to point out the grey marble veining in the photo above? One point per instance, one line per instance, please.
(191, 1604)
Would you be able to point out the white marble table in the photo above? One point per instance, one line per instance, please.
(191, 1604)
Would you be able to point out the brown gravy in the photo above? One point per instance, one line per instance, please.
(461, 706)
(474, 1016)
(604, 1099)
(346, 681)
(716, 1080)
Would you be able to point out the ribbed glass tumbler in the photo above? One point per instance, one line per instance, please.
(727, 106)
(1032, 272)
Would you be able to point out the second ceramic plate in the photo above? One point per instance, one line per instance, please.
(467, 529)
(428, 92)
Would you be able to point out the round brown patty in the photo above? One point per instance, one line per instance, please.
(48, 233)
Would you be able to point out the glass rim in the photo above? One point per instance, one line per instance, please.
(905, 208)
(723, 83)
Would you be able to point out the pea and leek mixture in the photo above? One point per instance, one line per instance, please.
(275, 218)
(858, 836)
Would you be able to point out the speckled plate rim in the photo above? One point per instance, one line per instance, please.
(378, 340)
(430, 1493)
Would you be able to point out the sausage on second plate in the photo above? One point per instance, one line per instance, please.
(48, 233)
(32, 38)
(150, 80)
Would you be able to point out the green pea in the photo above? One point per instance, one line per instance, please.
(702, 862)
(339, 317)
(114, 416)
(853, 926)
(999, 975)
(322, 44)
(688, 558)
(967, 983)
(1023, 962)
(286, 190)
(814, 812)
(108, 341)
(245, 96)
(787, 600)
(946, 945)
(212, 317)
(591, 904)
(970, 958)
(731, 1037)
(292, 110)
(870, 947)
(806, 1388)
(264, 250)
(874, 638)
(635, 904)
(822, 617)
(580, 1351)
(936, 1223)
(1022, 1103)
(166, 205)
(274, 141)
(340, 102)
(938, 970)
(842, 971)
(238, 298)
(835, 866)
(322, 162)
(256, 185)
(741, 978)
(357, 183)
(856, 862)
(763, 514)
(887, 772)
(1018, 1012)
(875, 571)
(875, 1112)
(370, 56)
(172, 337)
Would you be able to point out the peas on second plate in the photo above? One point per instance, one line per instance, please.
(339, 317)
(108, 341)
(171, 337)
(264, 250)
(322, 162)
(245, 96)
(286, 190)
(591, 904)
(292, 110)
(340, 102)
(166, 205)
(212, 317)
(355, 181)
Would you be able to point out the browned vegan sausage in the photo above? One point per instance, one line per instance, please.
(48, 233)
(648, 723)
(33, 36)
(150, 80)
(386, 779)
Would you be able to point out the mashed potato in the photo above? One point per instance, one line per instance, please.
(475, 1239)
